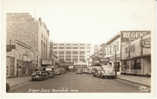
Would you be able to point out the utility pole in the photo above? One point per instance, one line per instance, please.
(115, 63)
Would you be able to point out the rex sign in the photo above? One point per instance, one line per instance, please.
(127, 36)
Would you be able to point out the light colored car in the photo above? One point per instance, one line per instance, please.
(108, 72)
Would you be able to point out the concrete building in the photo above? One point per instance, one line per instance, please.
(22, 44)
(27, 43)
(136, 52)
(110, 51)
(113, 50)
(53, 56)
(72, 52)
(43, 42)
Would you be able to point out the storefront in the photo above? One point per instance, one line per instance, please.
(10, 66)
(136, 56)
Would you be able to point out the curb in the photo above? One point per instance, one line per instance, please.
(137, 83)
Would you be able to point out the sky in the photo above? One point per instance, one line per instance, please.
(87, 21)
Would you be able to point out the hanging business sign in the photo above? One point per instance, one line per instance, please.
(127, 36)
(146, 43)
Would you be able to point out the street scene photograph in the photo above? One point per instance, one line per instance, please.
(78, 46)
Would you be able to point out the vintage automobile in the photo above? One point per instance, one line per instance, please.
(51, 74)
(98, 73)
(108, 72)
(57, 71)
(39, 75)
(79, 71)
(95, 72)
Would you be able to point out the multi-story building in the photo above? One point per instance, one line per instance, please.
(22, 44)
(110, 51)
(43, 42)
(53, 56)
(136, 52)
(27, 42)
(112, 48)
(72, 52)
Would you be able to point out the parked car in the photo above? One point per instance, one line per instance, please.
(45, 74)
(57, 71)
(108, 72)
(62, 70)
(94, 72)
(79, 71)
(98, 73)
(51, 74)
(39, 75)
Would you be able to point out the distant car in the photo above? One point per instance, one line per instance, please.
(62, 70)
(79, 71)
(51, 74)
(45, 74)
(37, 76)
(57, 71)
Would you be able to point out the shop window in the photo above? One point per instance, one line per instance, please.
(137, 64)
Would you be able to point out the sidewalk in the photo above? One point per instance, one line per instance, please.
(17, 81)
(146, 81)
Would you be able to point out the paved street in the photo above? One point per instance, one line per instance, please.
(71, 82)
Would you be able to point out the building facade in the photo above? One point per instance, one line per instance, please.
(27, 43)
(22, 44)
(136, 53)
(43, 42)
(72, 52)
(111, 51)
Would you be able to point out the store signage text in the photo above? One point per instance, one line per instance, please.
(132, 35)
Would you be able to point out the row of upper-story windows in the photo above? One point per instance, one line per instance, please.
(111, 49)
(71, 52)
(63, 47)
(70, 44)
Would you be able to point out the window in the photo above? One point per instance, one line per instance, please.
(75, 57)
(61, 44)
(61, 52)
(82, 60)
(82, 47)
(82, 52)
(68, 60)
(61, 47)
(75, 47)
(75, 52)
(68, 47)
(137, 64)
(82, 56)
(55, 47)
(68, 52)
(55, 52)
